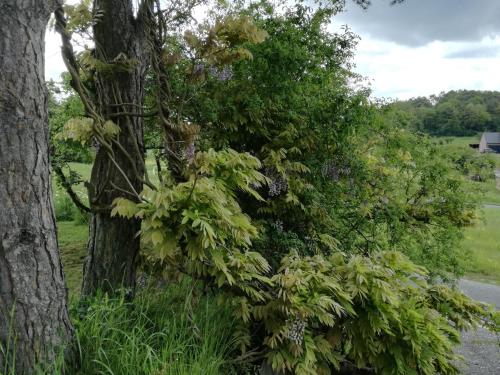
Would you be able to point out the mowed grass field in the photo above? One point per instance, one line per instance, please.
(483, 244)
(72, 244)
(482, 241)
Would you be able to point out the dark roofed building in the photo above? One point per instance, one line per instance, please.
(490, 142)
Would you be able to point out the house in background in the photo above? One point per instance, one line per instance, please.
(490, 142)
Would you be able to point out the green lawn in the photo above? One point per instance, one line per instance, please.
(483, 244)
(115, 337)
(72, 244)
(462, 141)
(491, 192)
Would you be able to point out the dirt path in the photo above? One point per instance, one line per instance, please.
(481, 349)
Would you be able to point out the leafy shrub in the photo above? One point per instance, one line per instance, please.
(64, 207)
(62, 108)
(80, 217)
(479, 167)
(66, 210)
(314, 312)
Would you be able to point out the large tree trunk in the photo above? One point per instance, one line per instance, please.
(113, 244)
(34, 322)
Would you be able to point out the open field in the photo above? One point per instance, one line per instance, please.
(72, 242)
(492, 192)
(483, 243)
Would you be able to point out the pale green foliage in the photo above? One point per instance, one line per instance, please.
(237, 30)
(110, 129)
(83, 129)
(78, 129)
(378, 312)
(197, 226)
(398, 327)
(120, 64)
(308, 292)
(79, 16)
(313, 312)
(224, 42)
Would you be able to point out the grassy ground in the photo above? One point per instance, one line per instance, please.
(483, 243)
(174, 331)
(72, 242)
(492, 192)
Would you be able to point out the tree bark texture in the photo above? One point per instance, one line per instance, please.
(114, 243)
(34, 321)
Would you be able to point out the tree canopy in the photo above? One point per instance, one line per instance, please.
(455, 113)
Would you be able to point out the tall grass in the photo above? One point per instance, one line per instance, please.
(7, 351)
(162, 332)
(170, 332)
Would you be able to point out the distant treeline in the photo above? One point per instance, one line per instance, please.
(455, 113)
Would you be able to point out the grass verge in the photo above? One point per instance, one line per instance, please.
(72, 244)
(172, 331)
(482, 242)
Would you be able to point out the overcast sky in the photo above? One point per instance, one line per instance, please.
(421, 47)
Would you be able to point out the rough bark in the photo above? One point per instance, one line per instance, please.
(113, 245)
(34, 322)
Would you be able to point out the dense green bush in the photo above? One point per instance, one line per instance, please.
(336, 166)
(63, 106)
(66, 210)
(473, 165)
(313, 312)
(64, 207)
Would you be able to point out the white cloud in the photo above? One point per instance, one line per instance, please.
(403, 72)
(54, 64)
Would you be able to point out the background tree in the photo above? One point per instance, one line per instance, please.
(455, 113)
(34, 322)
